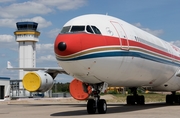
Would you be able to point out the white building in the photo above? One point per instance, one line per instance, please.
(4, 87)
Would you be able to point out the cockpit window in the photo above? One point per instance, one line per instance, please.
(65, 29)
(77, 28)
(89, 29)
(96, 30)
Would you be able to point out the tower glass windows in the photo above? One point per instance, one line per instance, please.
(27, 26)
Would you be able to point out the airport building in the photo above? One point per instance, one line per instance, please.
(4, 87)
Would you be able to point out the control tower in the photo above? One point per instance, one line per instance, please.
(27, 36)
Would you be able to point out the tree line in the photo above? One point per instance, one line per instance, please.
(60, 87)
(64, 87)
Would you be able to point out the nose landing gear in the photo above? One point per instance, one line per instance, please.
(82, 91)
(100, 106)
(96, 104)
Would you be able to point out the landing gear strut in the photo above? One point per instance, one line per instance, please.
(173, 98)
(135, 98)
(96, 104)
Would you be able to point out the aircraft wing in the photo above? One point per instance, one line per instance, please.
(46, 69)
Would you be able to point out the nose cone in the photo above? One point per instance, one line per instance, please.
(62, 46)
(67, 44)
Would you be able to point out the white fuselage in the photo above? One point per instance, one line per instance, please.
(122, 55)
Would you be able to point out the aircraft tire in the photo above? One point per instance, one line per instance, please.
(169, 99)
(102, 106)
(140, 100)
(177, 99)
(130, 100)
(91, 109)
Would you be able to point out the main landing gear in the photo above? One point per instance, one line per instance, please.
(173, 98)
(135, 98)
(96, 104)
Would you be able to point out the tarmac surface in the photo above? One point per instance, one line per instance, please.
(69, 108)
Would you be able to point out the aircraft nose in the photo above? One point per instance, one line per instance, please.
(62, 46)
(67, 44)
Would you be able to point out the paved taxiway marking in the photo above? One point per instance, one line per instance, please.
(53, 110)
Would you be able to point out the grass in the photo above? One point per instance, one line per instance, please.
(155, 97)
(149, 97)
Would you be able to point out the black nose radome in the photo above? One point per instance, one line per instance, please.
(62, 46)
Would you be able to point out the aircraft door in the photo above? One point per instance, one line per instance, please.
(123, 39)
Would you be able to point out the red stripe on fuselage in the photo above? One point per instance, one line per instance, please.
(82, 41)
(138, 44)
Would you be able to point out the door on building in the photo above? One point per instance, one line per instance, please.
(1, 92)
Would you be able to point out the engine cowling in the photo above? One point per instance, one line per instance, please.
(79, 90)
(37, 81)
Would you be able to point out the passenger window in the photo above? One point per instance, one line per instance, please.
(65, 29)
(77, 28)
(96, 30)
(88, 29)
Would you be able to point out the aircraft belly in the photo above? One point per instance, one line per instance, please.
(119, 71)
(76, 70)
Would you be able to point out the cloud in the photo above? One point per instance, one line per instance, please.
(53, 33)
(23, 9)
(45, 53)
(63, 4)
(137, 24)
(9, 73)
(46, 59)
(40, 20)
(5, 1)
(154, 32)
(45, 48)
(7, 38)
(176, 43)
(15, 12)
(3, 55)
(8, 42)
(38, 7)
(8, 22)
(72, 4)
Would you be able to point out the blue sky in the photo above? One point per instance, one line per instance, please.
(159, 17)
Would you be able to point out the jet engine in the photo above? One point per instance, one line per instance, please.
(79, 90)
(37, 81)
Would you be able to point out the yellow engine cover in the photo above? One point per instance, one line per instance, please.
(31, 81)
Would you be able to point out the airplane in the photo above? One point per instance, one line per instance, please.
(101, 51)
